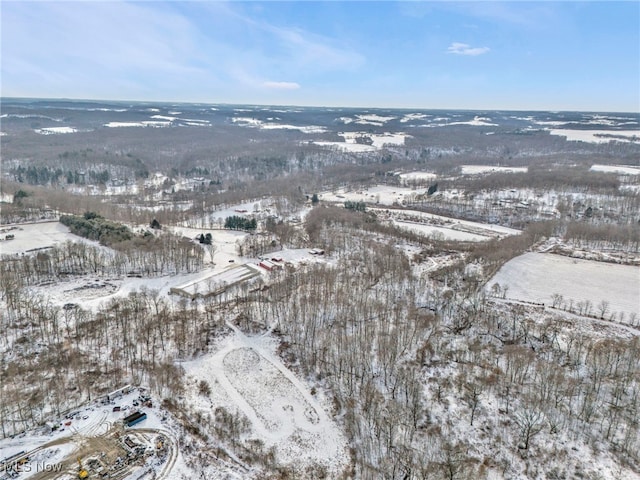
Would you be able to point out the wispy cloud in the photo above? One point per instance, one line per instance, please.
(282, 85)
(465, 49)
(134, 49)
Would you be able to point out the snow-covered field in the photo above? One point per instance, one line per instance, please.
(599, 136)
(55, 130)
(144, 123)
(367, 119)
(451, 228)
(409, 117)
(378, 140)
(476, 122)
(381, 194)
(443, 233)
(620, 169)
(479, 169)
(246, 375)
(347, 147)
(224, 241)
(413, 176)
(272, 125)
(31, 236)
(535, 277)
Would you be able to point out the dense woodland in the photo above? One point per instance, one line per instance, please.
(403, 357)
(430, 374)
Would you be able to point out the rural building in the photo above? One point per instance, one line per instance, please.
(134, 419)
(267, 265)
(216, 284)
(118, 393)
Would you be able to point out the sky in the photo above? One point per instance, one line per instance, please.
(439, 55)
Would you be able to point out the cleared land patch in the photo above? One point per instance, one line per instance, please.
(478, 169)
(536, 277)
(274, 398)
(34, 236)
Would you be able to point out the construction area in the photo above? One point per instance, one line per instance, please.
(104, 450)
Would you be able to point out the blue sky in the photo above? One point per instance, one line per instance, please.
(475, 55)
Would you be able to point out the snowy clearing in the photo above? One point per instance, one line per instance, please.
(146, 123)
(451, 228)
(380, 194)
(412, 176)
(379, 139)
(599, 136)
(246, 375)
(35, 236)
(367, 119)
(476, 122)
(348, 147)
(535, 277)
(372, 141)
(55, 130)
(479, 169)
(254, 122)
(413, 116)
(443, 233)
(225, 242)
(621, 169)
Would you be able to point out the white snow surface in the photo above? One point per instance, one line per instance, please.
(382, 194)
(55, 130)
(246, 375)
(479, 169)
(348, 147)
(144, 123)
(413, 116)
(599, 136)
(451, 228)
(379, 140)
(621, 169)
(254, 122)
(535, 277)
(437, 231)
(409, 176)
(476, 122)
(367, 119)
(31, 236)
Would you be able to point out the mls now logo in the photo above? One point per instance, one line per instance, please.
(41, 467)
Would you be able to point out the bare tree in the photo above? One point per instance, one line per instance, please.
(531, 422)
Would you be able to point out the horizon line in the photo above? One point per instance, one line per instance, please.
(169, 102)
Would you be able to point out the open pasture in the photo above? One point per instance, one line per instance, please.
(34, 236)
(537, 277)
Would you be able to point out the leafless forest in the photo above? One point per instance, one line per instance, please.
(429, 370)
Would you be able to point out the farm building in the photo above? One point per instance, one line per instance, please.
(267, 265)
(217, 283)
(118, 393)
(134, 419)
